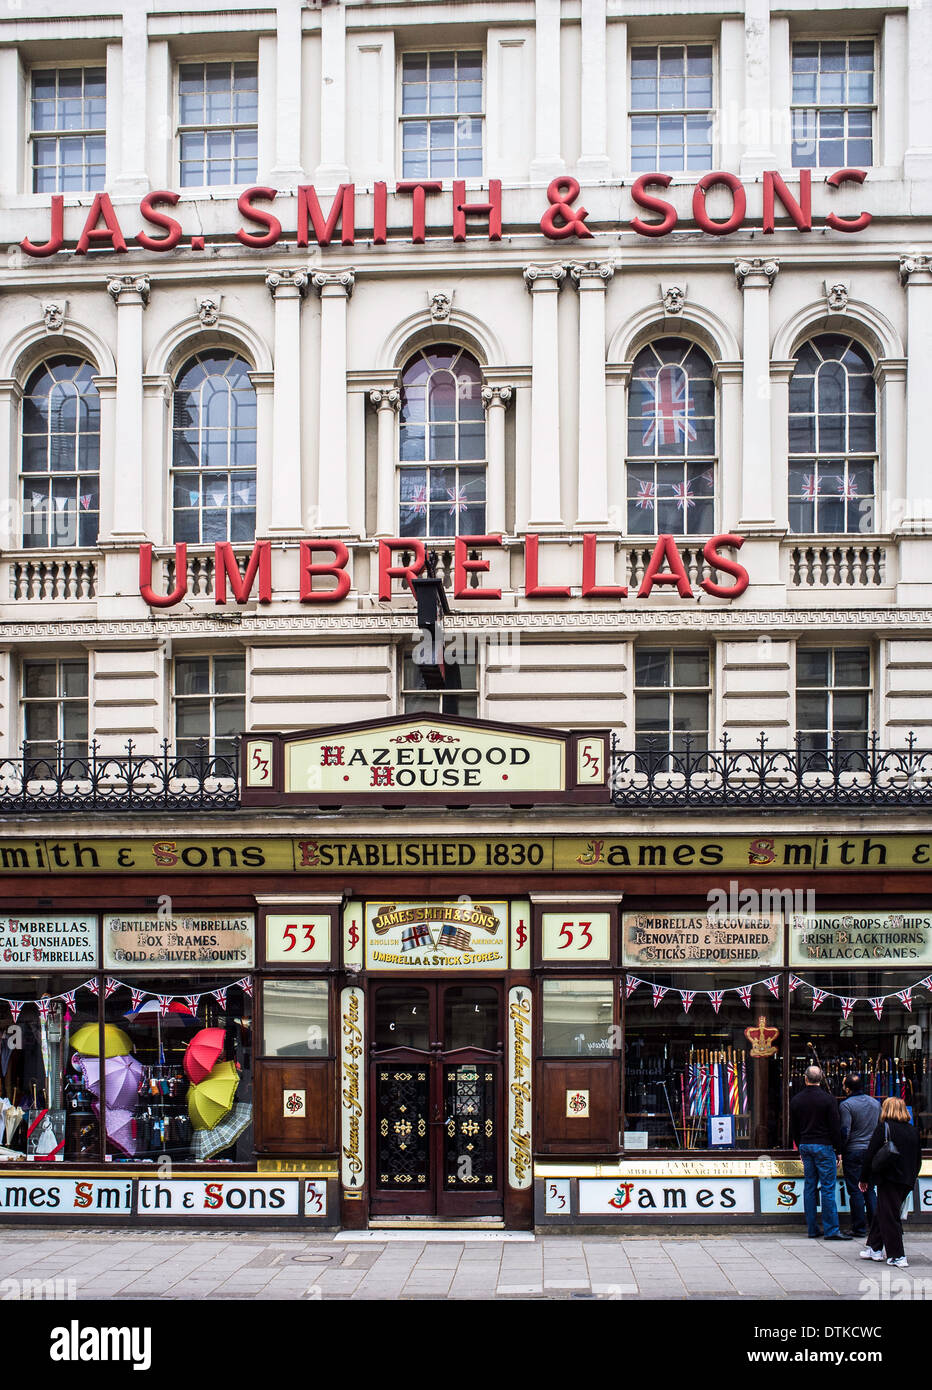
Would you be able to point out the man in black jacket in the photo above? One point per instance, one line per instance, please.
(815, 1126)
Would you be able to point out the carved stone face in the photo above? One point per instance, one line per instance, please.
(673, 300)
(837, 297)
(208, 311)
(441, 306)
(54, 316)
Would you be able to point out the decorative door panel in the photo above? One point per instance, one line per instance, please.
(402, 1097)
(471, 1141)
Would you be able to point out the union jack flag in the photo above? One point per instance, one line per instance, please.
(413, 937)
(846, 1006)
(92, 985)
(877, 1006)
(192, 1001)
(926, 983)
(458, 500)
(847, 487)
(110, 986)
(744, 992)
(245, 985)
(687, 996)
(645, 498)
(68, 997)
(456, 938)
(683, 495)
(43, 1006)
(86, 500)
(659, 991)
(773, 984)
(716, 996)
(221, 995)
(667, 408)
(631, 985)
(416, 504)
(137, 995)
(164, 1002)
(795, 983)
(905, 996)
(16, 1006)
(819, 996)
(810, 487)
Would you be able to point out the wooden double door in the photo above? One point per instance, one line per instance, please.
(436, 1099)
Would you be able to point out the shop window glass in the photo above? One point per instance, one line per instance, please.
(441, 444)
(36, 1071)
(183, 1089)
(402, 1018)
(671, 107)
(671, 460)
(218, 110)
(471, 1017)
(458, 697)
(893, 1053)
(214, 450)
(68, 134)
(832, 438)
(833, 103)
(441, 115)
(577, 1018)
(60, 483)
(295, 1020)
(681, 1069)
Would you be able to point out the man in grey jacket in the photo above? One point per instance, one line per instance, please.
(860, 1115)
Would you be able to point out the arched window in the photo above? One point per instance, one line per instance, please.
(61, 455)
(832, 439)
(671, 441)
(442, 458)
(214, 450)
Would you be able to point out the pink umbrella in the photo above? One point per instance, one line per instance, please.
(202, 1052)
(119, 1127)
(123, 1075)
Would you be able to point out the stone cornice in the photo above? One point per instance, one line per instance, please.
(574, 621)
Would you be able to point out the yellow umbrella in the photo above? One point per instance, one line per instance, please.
(87, 1040)
(212, 1099)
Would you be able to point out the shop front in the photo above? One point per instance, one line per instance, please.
(543, 1020)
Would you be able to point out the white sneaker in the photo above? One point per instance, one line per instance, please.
(868, 1254)
(900, 1263)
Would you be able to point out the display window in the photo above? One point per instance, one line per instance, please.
(690, 1081)
(295, 1019)
(46, 1110)
(876, 1023)
(178, 1071)
(578, 1018)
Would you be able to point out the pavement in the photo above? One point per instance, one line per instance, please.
(171, 1264)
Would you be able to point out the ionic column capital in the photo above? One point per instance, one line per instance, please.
(755, 272)
(915, 270)
(544, 277)
(386, 400)
(494, 396)
(590, 275)
(340, 282)
(287, 284)
(129, 289)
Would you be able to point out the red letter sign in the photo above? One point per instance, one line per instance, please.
(462, 566)
(337, 568)
(225, 567)
(665, 549)
(388, 571)
(153, 599)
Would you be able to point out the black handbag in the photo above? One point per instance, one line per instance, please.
(886, 1156)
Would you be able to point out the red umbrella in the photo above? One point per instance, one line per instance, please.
(203, 1052)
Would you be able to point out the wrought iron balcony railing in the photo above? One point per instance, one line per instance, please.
(729, 775)
(130, 781)
(653, 776)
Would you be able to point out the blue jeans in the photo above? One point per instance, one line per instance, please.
(862, 1213)
(819, 1171)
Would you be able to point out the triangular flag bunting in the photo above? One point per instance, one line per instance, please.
(846, 1006)
(164, 1001)
(687, 996)
(926, 983)
(631, 984)
(192, 1001)
(744, 992)
(819, 996)
(877, 1006)
(92, 985)
(245, 985)
(221, 996)
(16, 1006)
(110, 986)
(905, 996)
(137, 996)
(658, 991)
(716, 996)
(43, 1006)
(773, 984)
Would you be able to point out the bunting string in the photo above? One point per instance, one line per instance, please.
(137, 996)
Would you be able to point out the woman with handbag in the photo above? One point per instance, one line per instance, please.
(892, 1162)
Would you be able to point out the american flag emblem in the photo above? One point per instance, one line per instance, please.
(456, 938)
(413, 937)
(667, 409)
